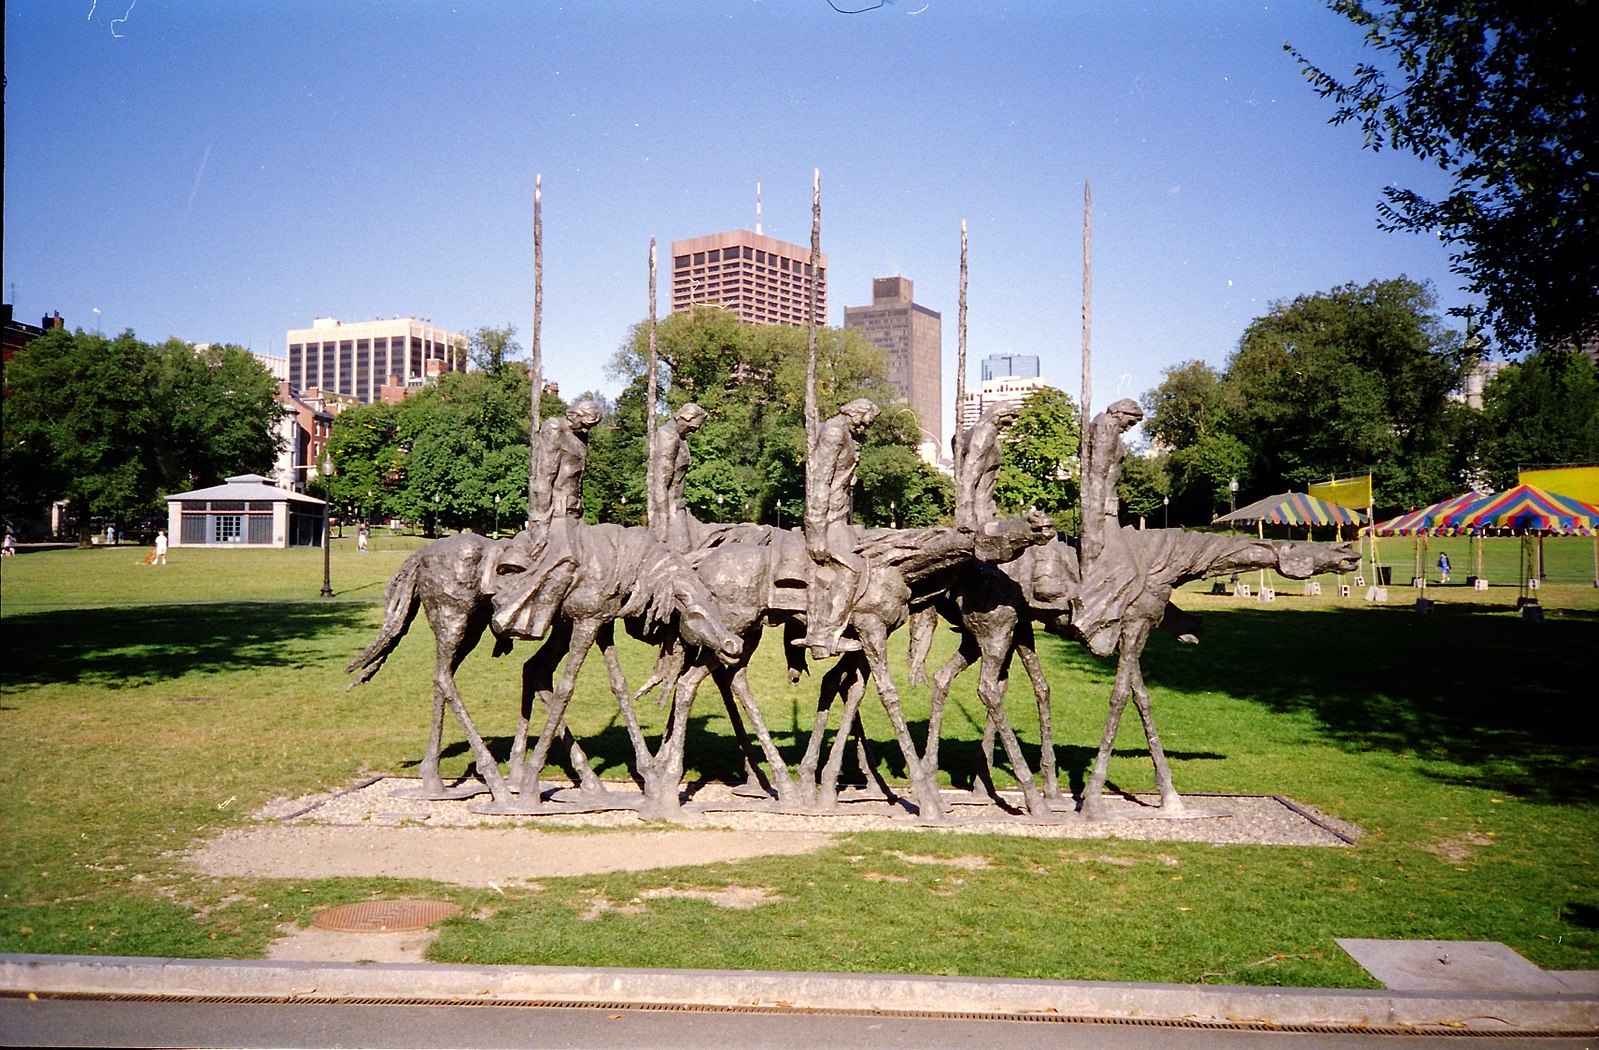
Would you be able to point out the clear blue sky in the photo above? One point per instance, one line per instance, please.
(224, 172)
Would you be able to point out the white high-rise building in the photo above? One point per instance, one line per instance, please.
(361, 358)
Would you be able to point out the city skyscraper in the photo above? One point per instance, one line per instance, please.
(360, 358)
(913, 337)
(762, 279)
(1022, 366)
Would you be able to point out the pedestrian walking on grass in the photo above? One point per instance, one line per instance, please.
(1443, 567)
(360, 539)
(159, 557)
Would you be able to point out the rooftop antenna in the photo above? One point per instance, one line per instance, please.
(757, 204)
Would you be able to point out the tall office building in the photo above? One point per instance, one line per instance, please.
(762, 279)
(913, 337)
(1022, 366)
(991, 393)
(361, 358)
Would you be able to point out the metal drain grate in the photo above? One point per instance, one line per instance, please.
(383, 916)
(1231, 1025)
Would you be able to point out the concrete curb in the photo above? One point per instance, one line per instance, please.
(111, 975)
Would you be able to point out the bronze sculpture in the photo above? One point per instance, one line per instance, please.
(703, 592)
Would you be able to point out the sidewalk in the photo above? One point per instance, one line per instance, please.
(1572, 1009)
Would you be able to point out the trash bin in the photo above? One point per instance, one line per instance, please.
(1385, 575)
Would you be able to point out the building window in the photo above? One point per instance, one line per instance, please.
(229, 528)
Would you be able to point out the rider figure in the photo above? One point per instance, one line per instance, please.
(829, 534)
(1100, 474)
(671, 522)
(538, 564)
(981, 451)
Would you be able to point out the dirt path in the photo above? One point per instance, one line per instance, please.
(477, 856)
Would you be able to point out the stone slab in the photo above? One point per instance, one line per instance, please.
(1450, 966)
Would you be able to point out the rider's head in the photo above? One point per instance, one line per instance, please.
(583, 415)
(690, 418)
(1005, 413)
(1126, 412)
(860, 413)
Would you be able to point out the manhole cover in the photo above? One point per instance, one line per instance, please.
(196, 699)
(383, 916)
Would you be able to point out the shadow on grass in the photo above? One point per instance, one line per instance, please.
(713, 752)
(134, 646)
(1490, 700)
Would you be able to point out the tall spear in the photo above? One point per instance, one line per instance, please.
(1088, 324)
(810, 316)
(537, 367)
(649, 397)
(960, 363)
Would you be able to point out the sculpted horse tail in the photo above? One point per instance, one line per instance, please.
(401, 601)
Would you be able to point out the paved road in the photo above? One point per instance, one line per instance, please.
(100, 1023)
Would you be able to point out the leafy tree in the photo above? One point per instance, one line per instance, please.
(444, 453)
(1498, 93)
(1541, 412)
(1040, 464)
(751, 381)
(220, 407)
(492, 349)
(1143, 488)
(1185, 415)
(111, 425)
(1340, 381)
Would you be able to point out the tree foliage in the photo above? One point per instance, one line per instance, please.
(112, 425)
(1543, 411)
(442, 454)
(1040, 463)
(1498, 93)
(1338, 382)
(1335, 383)
(751, 450)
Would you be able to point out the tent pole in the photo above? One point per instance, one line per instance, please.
(1260, 530)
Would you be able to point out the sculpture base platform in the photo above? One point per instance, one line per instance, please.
(1215, 818)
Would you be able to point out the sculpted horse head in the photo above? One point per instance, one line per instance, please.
(1300, 561)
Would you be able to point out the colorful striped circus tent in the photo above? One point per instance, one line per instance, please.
(1292, 508)
(1427, 519)
(1526, 509)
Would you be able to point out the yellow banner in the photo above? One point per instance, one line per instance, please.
(1354, 493)
(1577, 482)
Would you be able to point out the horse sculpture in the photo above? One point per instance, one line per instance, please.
(995, 606)
(622, 573)
(757, 582)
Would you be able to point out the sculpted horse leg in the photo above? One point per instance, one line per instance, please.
(582, 636)
(831, 686)
(851, 682)
(736, 693)
(1093, 807)
(605, 637)
(996, 634)
(873, 634)
(938, 693)
(1028, 654)
(1171, 803)
(457, 628)
(538, 681)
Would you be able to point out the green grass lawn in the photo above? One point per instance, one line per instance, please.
(1453, 740)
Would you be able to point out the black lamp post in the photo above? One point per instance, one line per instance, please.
(496, 515)
(624, 512)
(780, 515)
(438, 523)
(327, 540)
(1165, 510)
